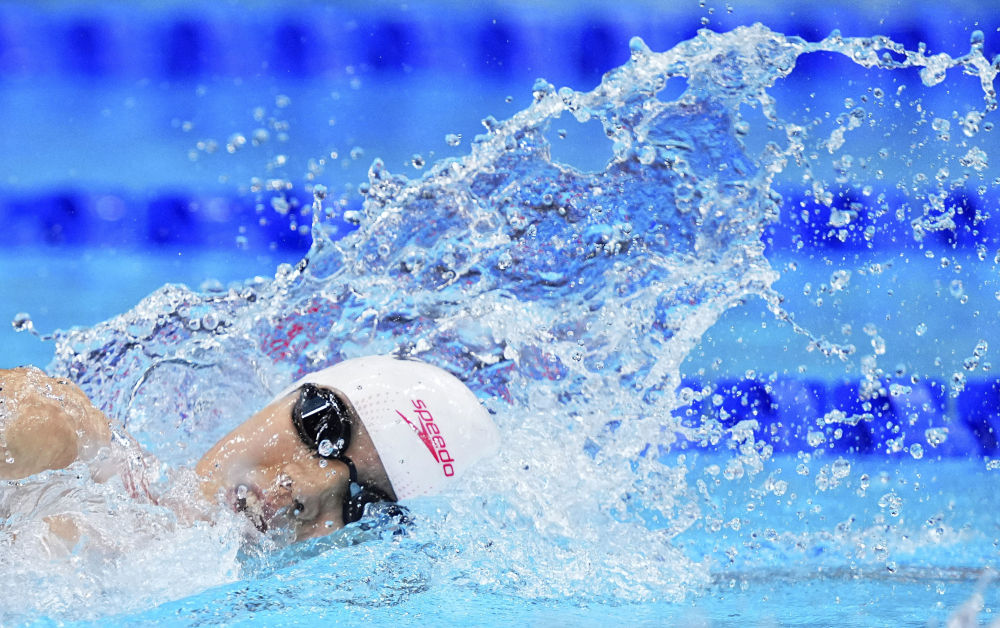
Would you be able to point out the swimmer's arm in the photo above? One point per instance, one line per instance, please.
(45, 424)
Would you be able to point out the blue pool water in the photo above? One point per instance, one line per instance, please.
(733, 307)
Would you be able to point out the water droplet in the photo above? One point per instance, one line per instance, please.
(453, 139)
(935, 435)
(921, 329)
(259, 136)
(840, 468)
(417, 160)
(957, 382)
(976, 158)
(210, 321)
(917, 451)
(22, 322)
(235, 142)
(357, 153)
(541, 89)
(956, 288)
(891, 501)
(878, 345)
(839, 279)
(325, 447)
(815, 439)
(280, 204)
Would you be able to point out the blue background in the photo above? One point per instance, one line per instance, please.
(115, 175)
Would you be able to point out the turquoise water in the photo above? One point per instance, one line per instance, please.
(576, 303)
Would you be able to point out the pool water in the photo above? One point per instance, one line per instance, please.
(740, 358)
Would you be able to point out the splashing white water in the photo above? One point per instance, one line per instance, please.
(568, 300)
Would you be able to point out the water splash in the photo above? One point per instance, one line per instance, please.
(568, 300)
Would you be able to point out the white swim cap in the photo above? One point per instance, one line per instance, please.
(427, 426)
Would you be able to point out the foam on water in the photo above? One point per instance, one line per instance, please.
(569, 300)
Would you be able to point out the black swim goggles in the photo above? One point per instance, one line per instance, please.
(323, 421)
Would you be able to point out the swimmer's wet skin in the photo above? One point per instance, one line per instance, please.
(369, 429)
(45, 423)
(366, 430)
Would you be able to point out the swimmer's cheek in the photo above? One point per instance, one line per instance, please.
(316, 529)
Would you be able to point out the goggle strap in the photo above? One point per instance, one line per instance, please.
(351, 469)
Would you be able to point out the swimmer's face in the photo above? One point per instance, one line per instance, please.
(264, 469)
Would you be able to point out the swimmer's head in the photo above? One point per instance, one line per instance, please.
(426, 425)
(366, 429)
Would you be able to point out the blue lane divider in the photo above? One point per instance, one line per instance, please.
(169, 219)
(178, 217)
(190, 41)
(893, 419)
(922, 412)
(857, 221)
(979, 408)
(846, 435)
(798, 402)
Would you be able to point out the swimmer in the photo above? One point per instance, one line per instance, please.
(367, 430)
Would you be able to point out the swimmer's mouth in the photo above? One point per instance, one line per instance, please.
(247, 500)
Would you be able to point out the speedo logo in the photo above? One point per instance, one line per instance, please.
(430, 435)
